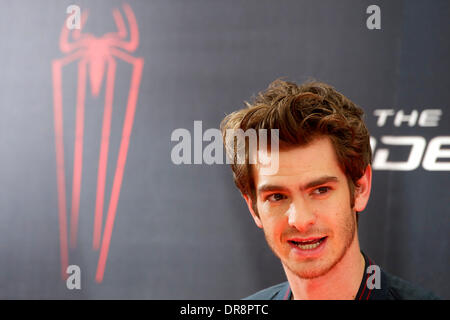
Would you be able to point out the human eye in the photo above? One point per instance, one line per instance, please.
(275, 197)
(321, 190)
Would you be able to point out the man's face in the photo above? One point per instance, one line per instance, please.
(304, 209)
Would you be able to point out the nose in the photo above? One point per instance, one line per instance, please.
(300, 215)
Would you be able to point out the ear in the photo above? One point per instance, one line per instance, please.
(362, 190)
(250, 208)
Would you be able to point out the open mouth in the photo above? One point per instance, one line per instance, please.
(308, 244)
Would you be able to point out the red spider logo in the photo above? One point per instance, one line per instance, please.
(94, 55)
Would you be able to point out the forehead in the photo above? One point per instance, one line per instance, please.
(303, 163)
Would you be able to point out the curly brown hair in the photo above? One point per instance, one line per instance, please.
(303, 113)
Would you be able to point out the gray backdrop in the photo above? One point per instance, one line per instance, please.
(184, 231)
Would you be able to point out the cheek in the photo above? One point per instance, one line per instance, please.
(340, 219)
(271, 211)
(334, 212)
(339, 201)
(273, 218)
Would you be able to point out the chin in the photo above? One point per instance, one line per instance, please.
(313, 271)
(316, 268)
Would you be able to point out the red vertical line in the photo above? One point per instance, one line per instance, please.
(364, 289)
(78, 153)
(59, 148)
(370, 291)
(103, 158)
(365, 277)
(287, 294)
(126, 132)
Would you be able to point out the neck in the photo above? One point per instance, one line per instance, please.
(340, 283)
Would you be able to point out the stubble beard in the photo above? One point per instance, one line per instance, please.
(315, 271)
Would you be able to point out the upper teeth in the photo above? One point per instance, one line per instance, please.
(309, 246)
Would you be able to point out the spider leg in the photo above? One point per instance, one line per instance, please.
(103, 158)
(78, 152)
(137, 64)
(57, 66)
(118, 41)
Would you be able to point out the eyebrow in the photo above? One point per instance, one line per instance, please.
(311, 184)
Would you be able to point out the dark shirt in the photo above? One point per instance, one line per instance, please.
(390, 288)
